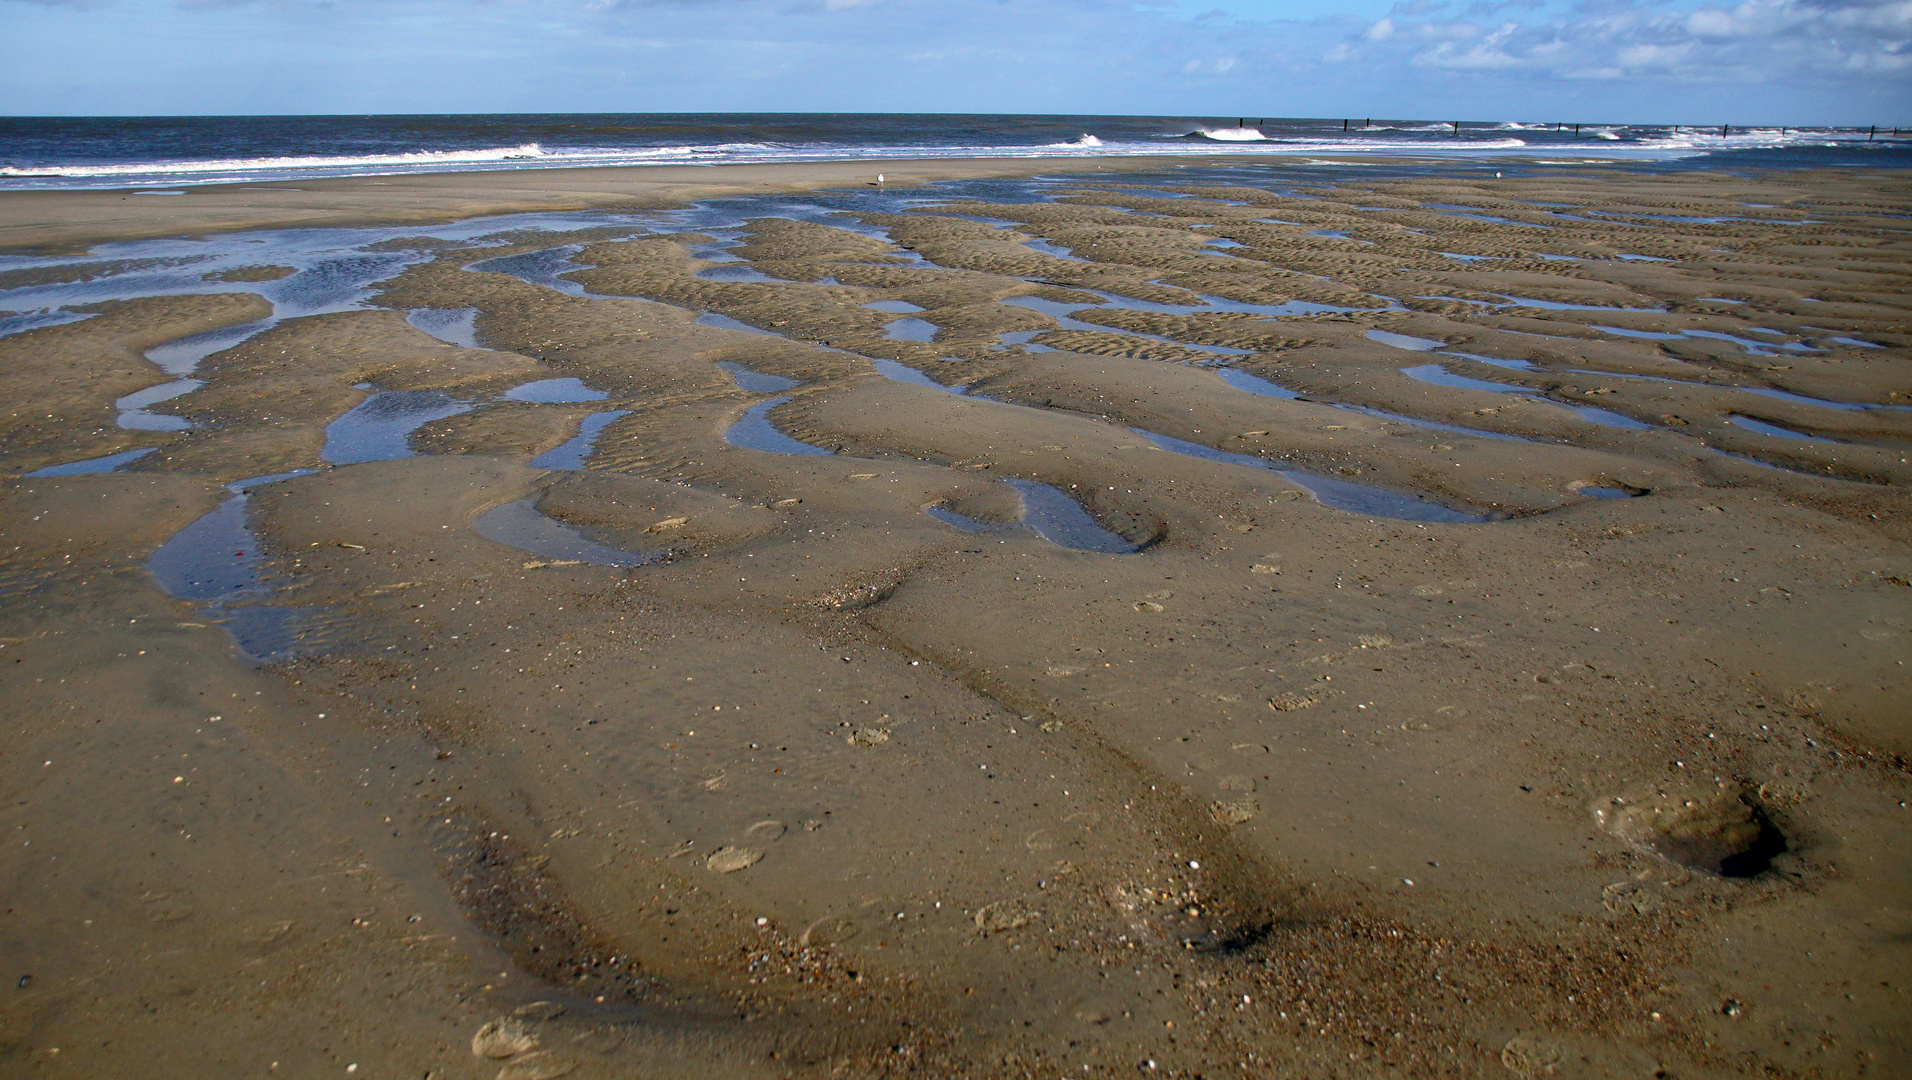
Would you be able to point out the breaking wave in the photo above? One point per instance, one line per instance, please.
(527, 152)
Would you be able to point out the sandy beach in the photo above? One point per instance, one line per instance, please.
(1420, 625)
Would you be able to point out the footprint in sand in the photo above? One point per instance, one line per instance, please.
(1001, 915)
(729, 859)
(502, 1038)
(829, 930)
(734, 857)
(1530, 1055)
(1243, 807)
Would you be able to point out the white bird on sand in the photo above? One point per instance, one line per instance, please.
(879, 178)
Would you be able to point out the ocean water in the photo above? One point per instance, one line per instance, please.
(169, 152)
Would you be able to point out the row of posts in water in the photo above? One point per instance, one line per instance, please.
(1724, 129)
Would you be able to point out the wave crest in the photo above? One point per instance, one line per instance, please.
(1238, 134)
(528, 151)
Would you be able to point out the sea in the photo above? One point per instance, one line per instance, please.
(161, 152)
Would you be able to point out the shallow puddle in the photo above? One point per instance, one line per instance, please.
(215, 561)
(1646, 335)
(755, 432)
(1051, 514)
(1764, 428)
(1402, 341)
(1473, 212)
(725, 322)
(893, 307)
(538, 268)
(910, 330)
(1603, 417)
(737, 273)
(181, 355)
(1437, 375)
(93, 465)
(1024, 338)
(1056, 250)
(1762, 391)
(577, 450)
(1433, 425)
(1211, 304)
(1339, 494)
(1758, 348)
(1556, 305)
(34, 320)
(555, 392)
(756, 382)
(1255, 384)
(1495, 361)
(134, 417)
(1440, 376)
(453, 326)
(903, 373)
(520, 525)
(380, 427)
(1061, 313)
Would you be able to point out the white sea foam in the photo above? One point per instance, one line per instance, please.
(1236, 134)
(1086, 140)
(528, 151)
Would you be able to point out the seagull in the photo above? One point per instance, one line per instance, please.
(879, 178)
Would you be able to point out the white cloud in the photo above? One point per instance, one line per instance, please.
(1754, 40)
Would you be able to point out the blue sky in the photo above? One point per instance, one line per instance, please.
(1676, 61)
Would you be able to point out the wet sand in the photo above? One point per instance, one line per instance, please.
(1468, 645)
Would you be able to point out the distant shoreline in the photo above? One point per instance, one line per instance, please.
(67, 220)
(59, 220)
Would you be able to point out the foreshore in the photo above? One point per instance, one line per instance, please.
(67, 220)
(1398, 626)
